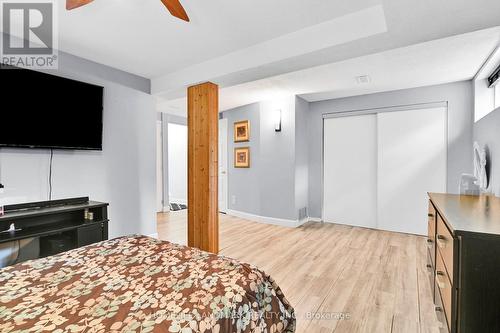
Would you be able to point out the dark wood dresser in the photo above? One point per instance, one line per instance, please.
(464, 261)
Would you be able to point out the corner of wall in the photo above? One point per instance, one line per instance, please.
(301, 158)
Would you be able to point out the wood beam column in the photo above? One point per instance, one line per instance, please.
(203, 137)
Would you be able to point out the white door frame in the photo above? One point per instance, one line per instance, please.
(358, 112)
(160, 196)
(223, 127)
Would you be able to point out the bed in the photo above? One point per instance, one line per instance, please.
(140, 284)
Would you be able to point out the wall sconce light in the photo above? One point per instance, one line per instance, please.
(277, 120)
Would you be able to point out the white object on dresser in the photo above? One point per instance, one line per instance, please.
(468, 185)
(480, 167)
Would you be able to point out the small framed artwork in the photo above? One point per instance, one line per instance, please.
(242, 157)
(242, 131)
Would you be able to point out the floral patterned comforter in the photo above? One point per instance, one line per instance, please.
(140, 284)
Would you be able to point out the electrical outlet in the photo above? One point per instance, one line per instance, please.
(233, 199)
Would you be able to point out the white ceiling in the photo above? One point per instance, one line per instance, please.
(401, 23)
(141, 37)
(233, 42)
(315, 38)
(445, 60)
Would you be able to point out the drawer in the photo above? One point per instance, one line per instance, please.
(430, 270)
(440, 311)
(443, 283)
(444, 242)
(431, 212)
(431, 231)
(89, 234)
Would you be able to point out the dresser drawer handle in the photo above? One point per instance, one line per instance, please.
(441, 241)
(441, 284)
(430, 215)
(430, 242)
(439, 309)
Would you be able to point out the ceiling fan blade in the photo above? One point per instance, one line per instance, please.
(72, 4)
(175, 8)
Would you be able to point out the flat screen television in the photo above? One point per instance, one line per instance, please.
(40, 110)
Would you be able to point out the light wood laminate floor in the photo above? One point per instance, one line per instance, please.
(377, 280)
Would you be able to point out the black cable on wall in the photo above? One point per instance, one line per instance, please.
(1, 185)
(50, 173)
(49, 177)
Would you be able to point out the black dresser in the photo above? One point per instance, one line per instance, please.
(464, 261)
(50, 227)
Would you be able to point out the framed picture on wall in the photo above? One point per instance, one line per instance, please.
(242, 157)
(242, 131)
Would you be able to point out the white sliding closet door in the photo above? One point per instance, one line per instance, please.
(350, 170)
(412, 160)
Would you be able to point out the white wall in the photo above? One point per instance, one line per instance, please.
(487, 125)
(484, 99)
(123, 174)
(286, 167)
(487, 120)
(243, 184)
(497, 96)
(460, 121)
(486, 133)
(129, 161)
(277, 159)
(274, 188)
(301, 158)
(177, 163)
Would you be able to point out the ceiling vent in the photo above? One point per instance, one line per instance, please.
(363, 79)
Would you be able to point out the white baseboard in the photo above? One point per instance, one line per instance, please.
(315, 219)
(164, 210)
(178, 201)
(155, 235)
(267, 220)
(303, 221)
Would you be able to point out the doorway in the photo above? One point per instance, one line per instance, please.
(159, 167)
(177, 164)
(223, 176)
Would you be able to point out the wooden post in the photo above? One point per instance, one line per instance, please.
(203, 136)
